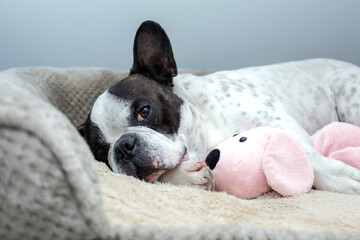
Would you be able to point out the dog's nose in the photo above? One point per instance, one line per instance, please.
(124, 146)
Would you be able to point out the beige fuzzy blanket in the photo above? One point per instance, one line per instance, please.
(52, 188)
(137, 202)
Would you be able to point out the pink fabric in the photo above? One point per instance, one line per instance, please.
(286, 165)
(268, 159)
(340, 141)
(239, 170)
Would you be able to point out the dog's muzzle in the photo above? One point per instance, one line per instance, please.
(146, 155)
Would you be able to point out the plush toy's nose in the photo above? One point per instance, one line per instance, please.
(213, 158)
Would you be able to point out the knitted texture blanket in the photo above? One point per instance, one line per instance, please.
(52, 188)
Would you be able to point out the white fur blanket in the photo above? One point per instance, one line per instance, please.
(167, 205)
(49, 186)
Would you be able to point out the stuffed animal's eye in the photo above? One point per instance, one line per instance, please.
(235, 135)
(143, 113)
(242, 139)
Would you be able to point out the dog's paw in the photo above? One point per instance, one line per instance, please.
(336, 176)
(191, 172)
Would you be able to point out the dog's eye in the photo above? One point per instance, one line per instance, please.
(143, 113)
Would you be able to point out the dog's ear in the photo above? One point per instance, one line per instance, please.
(153, 56)
(81, 129)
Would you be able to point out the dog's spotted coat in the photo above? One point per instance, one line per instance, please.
(155, 126)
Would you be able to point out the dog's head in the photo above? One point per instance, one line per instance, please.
(133, 125)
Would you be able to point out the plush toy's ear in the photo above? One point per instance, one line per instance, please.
(286, 165)
(336, 136)
(340, 141)
(349, 155)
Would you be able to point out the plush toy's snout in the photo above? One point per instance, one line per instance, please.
(213, 158)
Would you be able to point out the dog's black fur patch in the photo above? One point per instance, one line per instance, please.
(164, 105)
(95, 140)
(153, 56)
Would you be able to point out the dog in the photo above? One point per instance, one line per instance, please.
(157, 126)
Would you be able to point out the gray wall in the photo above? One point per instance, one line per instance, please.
(205, 34)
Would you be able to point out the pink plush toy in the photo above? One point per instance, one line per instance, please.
(257, 161)
(340, 141)
(263, 159)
